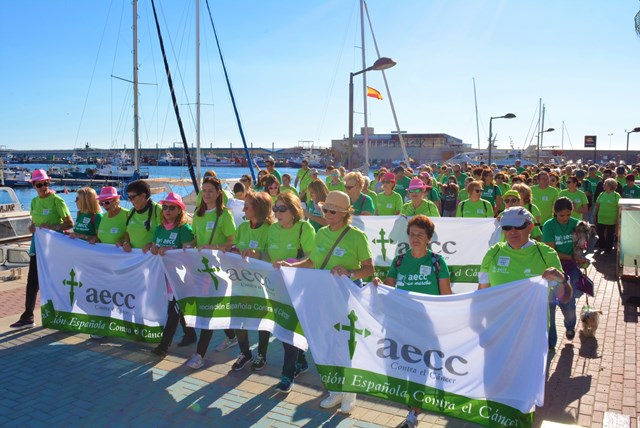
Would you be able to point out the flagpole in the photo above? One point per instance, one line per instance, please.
(365, 167)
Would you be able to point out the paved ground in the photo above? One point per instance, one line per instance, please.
(56, 379)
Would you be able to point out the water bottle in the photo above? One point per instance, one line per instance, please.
(554, 289)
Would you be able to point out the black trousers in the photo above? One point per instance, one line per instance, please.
(32, 290)
(243, 342)
(292, 357)
(605, 235)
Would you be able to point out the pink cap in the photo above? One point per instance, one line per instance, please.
(175, 199)
(416, 183)
(388, 176)
(107, 192)
(39, 175)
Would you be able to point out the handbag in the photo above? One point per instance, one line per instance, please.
(585, 284)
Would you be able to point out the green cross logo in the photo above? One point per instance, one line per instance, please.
(383, 241)
(210, 270)
(71, 283)
(351, 328)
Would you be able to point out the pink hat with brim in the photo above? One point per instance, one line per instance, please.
(388, 176)
(39, 175)
(416, 183)
(175, 199)
(108, 192)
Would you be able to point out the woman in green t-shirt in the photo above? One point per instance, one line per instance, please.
(344, 250)
(272, 186)
(88, 217)
(417, 192)
(113, 223)
(490, 191)
(577, 196)
(291, 239)
(317, 193)
(525, 201)
(142, 219)
(475, 207)
(48, 211)
(606, 214)
(354, 185)
(388, 202)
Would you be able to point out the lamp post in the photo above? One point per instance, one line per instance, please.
(637, 129)
(382, 63)
(506, 116)
(538, 148)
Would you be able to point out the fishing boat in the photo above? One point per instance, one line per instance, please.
(314, 159)
(120, 167)
(215, 162)
(16, 177)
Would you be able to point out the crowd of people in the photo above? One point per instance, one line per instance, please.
(307, 224)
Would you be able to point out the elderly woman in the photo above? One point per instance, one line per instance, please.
(113, 224)
(388, 202)
(142, 219)
(362, 204)
(557, 233)
(344, 250)
(334, 180)
(291, 238)
(88, 217)
(577, 196)
(474, 207)
(417, 191)
(606, 214)
(48, 211)
(251, 241)
(511, 198)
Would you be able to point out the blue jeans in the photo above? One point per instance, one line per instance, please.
(568, 309)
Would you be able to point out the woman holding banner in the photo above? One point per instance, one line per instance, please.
(48, 211)
(89, 215)
(251, 241)
(142, 219)
(344, 250)
(417, 205)
(113, 224)
(214, 228)
(290, 239)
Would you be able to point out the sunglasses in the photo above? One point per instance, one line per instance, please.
(415, 191)
(279, 208)
(324, 210)
(478, 190)
(133, 196)
(511, 201)
(105, 203)
(523, 227)
(169, 207)
(41, 185)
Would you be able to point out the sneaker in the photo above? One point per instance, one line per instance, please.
(187, 340)
(196, 361)
(570, 334)
(411, 421)
(258, 363)
(242, 361)
(160, 351)
(300, 368)
(96, 337)
(332, 400)
(285, 385)
(348, 402)
(226, 344)
(23, 324)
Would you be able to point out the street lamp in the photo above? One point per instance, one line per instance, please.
(506, 116)
(381, 64)
(538, 148)
(633, 130)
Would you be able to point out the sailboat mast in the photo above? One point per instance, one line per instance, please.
(365, 169)
(198, 157)
(135, 85)
(475, 99)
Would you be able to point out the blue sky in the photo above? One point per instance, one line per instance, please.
(289, 64)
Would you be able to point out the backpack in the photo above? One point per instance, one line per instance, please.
(462, 207)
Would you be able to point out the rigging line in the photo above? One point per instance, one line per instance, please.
(567, 134)
(175, 102)
(233, 99)
(532, 126)
(113, 65)
(93, 73)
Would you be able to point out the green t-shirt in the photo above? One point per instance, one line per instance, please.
(364, 204)
(503, 264)
(591, 183)
(305, 177)
(276, 174)
(560, 234)
(111, 229)
(48, 210)
(339, 186)
(463, 194)
(535, 212)
(579, 199)
(247, 237)
(87, 224)
(311, 207)
(477, 209)
(402, 186)
(173, 238)
(374, 197)
(544, 199)
(203, 227)
(350, 252)
(608, 211)
(293, 190)
(418, 275)
(389, 204)
(225, 199)
(632, 192)
(283, 244)
(141, 226)
(427, 208)
(491, 193)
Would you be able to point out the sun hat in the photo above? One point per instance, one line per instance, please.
(39, 175)
(337, 201)
(388, 176)
(416, 183)
(107, 192)
(515, 216)
(513, 193)
(313, 171)
(175, 199)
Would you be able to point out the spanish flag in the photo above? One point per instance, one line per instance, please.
(373, 93)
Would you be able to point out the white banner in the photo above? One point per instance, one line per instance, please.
(218, 290)
(479, 357)
(100, 289)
